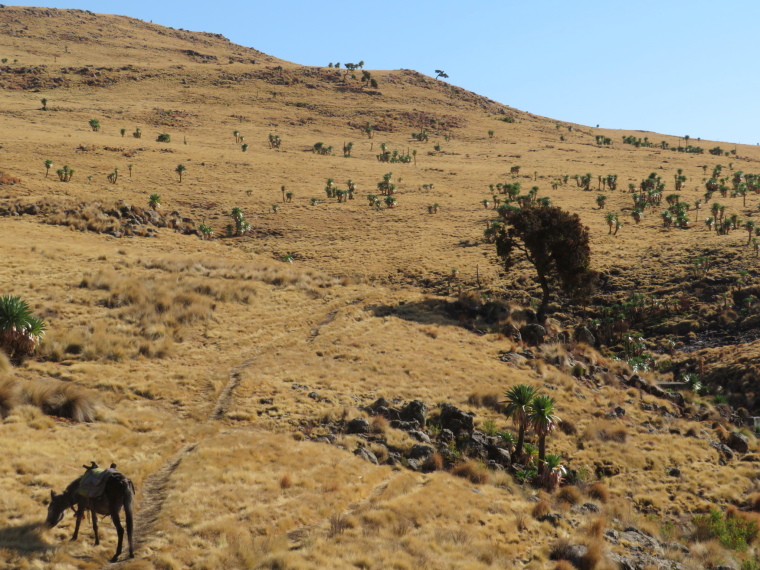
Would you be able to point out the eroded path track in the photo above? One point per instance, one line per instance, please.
(156, 487)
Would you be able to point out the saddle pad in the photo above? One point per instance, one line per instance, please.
(93, 483)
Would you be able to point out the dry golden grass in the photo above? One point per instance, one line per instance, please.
(473, 471)
(146, 333)
(599, 491)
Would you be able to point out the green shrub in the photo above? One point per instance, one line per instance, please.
(164, 137)
(733, 532)
(488, 427)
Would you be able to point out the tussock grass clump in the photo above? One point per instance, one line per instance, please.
(570, 495)
(541, 508)
(279, 275)
(286, 481)
(605, 431)
(599, 491)
(593, 558)
(9, 393)
(476, 472)
(481, 399)
(567, 427)
(596, 528)
(753, 502)
(5, 364)
(434, 462)
(60, 399)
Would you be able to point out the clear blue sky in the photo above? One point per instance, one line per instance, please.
(671, 66)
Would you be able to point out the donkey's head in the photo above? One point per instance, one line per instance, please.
(56, 508)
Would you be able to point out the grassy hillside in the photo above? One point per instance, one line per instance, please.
(221, 374)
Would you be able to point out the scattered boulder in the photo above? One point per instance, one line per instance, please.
(738, 442)
(421, 452)
(555, 519)
(405, 426)
(420, 436)
(455, 420)
(582, 334)
(724, 450)
(534, 334)
(500, 456)
(414, 411)
(358, 425)
(366, 454)
(446, 436)
(511, 331)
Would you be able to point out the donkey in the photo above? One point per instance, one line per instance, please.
(118, 493)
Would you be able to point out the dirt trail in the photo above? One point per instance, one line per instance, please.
(298, 535)
(155, 489)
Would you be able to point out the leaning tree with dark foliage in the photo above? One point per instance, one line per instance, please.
(555, 242)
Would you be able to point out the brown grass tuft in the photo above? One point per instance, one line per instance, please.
(567, 427)
(379, 425)
(286, 481)
(596, 528)
(485, 400)
(476, 472)
(604, 430)
(570, 495)
(9, 391)
(563, 565)
(540, 509)
(599, 491)
(754, 502)
(593, 557)
(60, 399)
(5, 364)
(434, 462)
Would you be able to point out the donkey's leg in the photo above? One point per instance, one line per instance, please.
(119, 532)
(128, 517)
(94, 516)
(79, 515)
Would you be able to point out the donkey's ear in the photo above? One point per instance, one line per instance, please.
(52, 494)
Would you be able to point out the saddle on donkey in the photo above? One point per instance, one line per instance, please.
(93, 483)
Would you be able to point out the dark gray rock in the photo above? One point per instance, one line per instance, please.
(637, 381)
(677, 546)
(554, 519)
(446, 436)
(738, 442)
(500, 456)
(379, 403)
(393, 458)
(513, 358)
(420, 436)
(623, 562)
(405, 426)
(677, 398)
(674, 472)
(511, 331)
(421, 452)
(387, 413)
(582, 334)
(724, 450)
(585, 508)
(455, 420)
(358, 425)
(366, 454)
(533, 334)
(414, 411)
